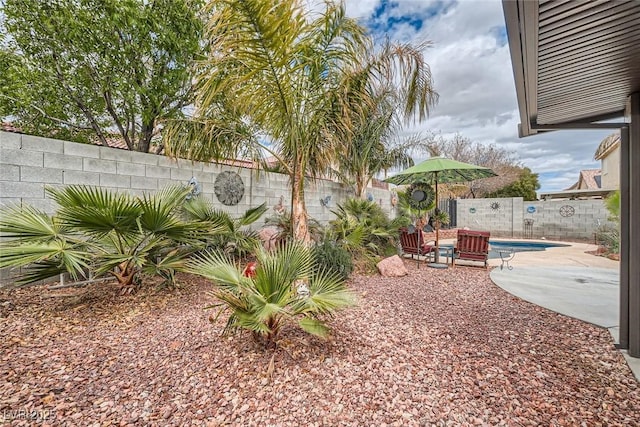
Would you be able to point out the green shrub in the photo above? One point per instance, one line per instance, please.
(609, 238)
(362, 226)
(333, 258)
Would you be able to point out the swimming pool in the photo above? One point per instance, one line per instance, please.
(517, 246)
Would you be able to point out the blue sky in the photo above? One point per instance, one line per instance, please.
(472, 72)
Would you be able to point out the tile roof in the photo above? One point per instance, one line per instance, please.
(607, 145)
(589, 180)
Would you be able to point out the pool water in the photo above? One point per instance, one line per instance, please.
(517, 246)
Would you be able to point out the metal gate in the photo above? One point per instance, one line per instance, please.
(450, 206)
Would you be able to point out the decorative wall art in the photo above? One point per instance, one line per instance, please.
(567, 211)
(229, 188)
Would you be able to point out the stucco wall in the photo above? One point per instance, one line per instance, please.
(611, 170)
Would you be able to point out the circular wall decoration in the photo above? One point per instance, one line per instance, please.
(420, 195)
(531, 209)
(472, 210)
(229, 188)
(495, 206)
(567, 211)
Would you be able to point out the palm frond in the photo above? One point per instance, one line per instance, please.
(96, 211)
(45, 259)
(314, 327)
(252, 215)
(279, 270)
(214, 265)
(29, 224)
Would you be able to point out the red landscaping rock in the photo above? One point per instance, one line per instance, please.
(392, 267)
(435, 347)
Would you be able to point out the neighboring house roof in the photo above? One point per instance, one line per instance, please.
(590, 179)
(114, 141)
(576, 194)
(9, 127)
(607, 146)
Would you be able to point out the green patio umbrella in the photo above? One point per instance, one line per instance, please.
(436, 170)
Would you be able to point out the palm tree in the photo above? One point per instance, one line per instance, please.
(281, 80)
(285, 286)
(374, 145)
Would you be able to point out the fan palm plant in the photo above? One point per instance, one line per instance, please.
(100, 232)
(231, 237)
(284, 287)
(296, 80)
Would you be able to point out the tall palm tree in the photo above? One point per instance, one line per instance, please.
(374, 145)
(291, 83)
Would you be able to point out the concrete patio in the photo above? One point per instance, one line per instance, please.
(569, 281)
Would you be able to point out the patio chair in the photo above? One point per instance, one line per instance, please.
(413, 243)
(471, 246)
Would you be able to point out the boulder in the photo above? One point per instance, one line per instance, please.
(269, 237)
(392, 267)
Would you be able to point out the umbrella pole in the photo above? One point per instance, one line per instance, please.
(437, 257)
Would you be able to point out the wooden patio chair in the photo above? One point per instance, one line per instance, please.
(472, 246)
(413, 243)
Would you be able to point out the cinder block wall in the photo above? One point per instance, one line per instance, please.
(553, 219)
(28, 164)
(501, 216)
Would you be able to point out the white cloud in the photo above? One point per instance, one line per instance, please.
(471, 67)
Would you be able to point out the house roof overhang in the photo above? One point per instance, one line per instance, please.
(574, 63)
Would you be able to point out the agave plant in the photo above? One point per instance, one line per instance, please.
(231, 237)
(284, 286)
(100, 232)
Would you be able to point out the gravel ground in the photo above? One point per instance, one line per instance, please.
(434, 348)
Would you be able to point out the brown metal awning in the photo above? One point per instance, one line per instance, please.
(575, 62)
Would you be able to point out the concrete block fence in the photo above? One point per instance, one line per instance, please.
(553, 219)
(28, 164)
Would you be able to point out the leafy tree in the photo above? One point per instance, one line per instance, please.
(101, 232)
(613, 206)
(524, 187)
(284, 287)
(81, 68)
(461, 148)
(292, 83)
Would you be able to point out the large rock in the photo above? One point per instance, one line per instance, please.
(392, 267)
(269, 237)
